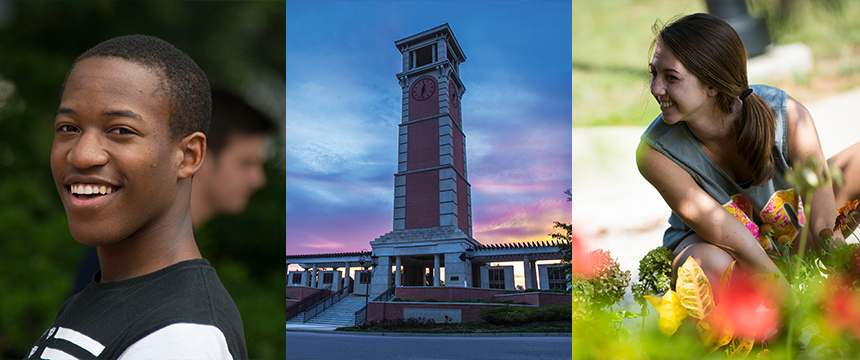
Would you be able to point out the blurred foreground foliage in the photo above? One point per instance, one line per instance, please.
(815, 314)
(240, 46)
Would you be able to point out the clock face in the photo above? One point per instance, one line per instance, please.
(423, 89)
(454, 99)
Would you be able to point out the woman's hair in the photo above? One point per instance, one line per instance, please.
(713, 52)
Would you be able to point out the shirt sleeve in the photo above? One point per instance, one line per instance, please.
(180, 341)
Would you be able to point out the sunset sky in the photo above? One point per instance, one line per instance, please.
(343, 111)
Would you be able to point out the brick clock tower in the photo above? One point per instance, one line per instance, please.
(431, 184)
(432, 202)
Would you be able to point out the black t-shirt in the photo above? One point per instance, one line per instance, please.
(181, 311)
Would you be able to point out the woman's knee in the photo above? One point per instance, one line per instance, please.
(713, 260)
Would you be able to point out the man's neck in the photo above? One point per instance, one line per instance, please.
(149, 250)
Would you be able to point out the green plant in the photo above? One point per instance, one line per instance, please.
(603, 285)
(654, 273)
(519, 315)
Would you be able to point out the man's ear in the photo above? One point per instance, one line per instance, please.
(193, 148)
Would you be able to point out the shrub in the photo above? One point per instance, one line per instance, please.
(654, 273)
(604, 284)
(519, 315)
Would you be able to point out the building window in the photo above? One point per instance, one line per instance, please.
(297, 278)
(497, 278)
(364, 277)
(556, 278)
(423, 56)
(328, 278)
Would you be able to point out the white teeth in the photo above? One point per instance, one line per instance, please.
(81, 189)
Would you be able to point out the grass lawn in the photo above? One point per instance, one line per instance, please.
(611, 41)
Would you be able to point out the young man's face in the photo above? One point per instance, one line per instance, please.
(113, 159)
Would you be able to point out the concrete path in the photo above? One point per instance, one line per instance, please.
(310, 327)
(615, 209)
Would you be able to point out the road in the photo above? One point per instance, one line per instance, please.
(325, 346)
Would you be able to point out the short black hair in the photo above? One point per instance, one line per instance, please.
(184, 84)
(232, 115)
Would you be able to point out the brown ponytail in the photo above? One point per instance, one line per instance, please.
(755, 133)
(713, 52)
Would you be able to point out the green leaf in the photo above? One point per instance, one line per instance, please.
(739, 346)
(670, 311)
(727, 277)
(715, 329)
(694, 289)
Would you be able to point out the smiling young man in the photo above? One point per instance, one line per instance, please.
(129, 136)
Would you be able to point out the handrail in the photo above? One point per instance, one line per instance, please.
(361, 314)
(300, 306)
(324, 304)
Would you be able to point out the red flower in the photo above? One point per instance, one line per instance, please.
(846, 214)
(753, 312)
(589, 264)
(842, 306)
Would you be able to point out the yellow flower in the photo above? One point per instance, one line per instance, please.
(766, 229)
(783, 239)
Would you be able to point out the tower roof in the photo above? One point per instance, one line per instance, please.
(445, 30)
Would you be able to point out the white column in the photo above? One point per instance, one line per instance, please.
(346, 277)
(314, 283)
(335, 286)
(397, 273)
(437, 269)
(528, 272)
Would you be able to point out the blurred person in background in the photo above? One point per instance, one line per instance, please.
(233, 168)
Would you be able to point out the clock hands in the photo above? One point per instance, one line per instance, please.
(428, 87)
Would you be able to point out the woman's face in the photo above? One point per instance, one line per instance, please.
(682, 97)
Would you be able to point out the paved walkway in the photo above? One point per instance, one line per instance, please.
(310, 327)
(617, 210)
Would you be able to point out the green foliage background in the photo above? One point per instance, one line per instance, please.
(240, 46)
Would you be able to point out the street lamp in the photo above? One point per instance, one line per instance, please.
(363, 262)
(362, 259)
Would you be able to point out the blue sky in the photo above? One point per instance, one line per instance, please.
(343, 111)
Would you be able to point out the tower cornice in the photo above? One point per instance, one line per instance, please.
(434, 33)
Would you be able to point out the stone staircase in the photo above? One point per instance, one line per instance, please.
(341, 314)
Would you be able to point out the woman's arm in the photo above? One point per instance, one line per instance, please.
(802, 141)
(701, 212)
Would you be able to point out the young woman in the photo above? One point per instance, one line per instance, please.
(720, 149)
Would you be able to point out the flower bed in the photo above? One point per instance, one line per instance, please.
(817, 317)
